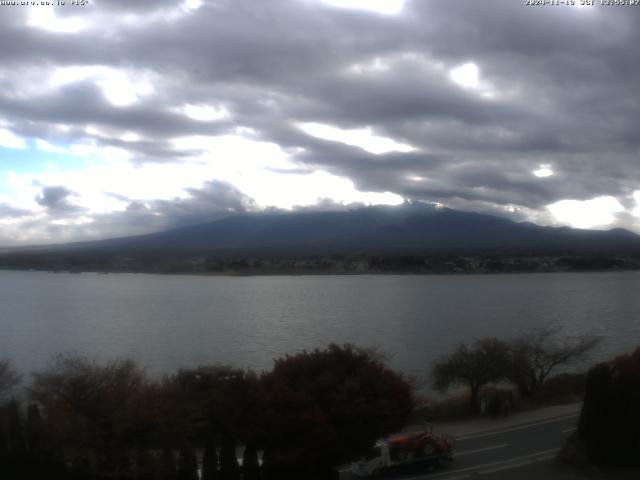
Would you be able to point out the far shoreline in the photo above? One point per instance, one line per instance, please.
(311, 273)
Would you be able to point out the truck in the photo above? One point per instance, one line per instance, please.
(405, 453)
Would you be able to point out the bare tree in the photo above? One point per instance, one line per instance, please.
(485, 361)
(96, 394)
(8, 377)
(97, 411)
(536, 354)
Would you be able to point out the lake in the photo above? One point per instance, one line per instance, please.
(167, 321)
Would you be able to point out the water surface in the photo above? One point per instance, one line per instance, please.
(167, 322)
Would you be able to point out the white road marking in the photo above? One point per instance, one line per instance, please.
(567, 430)
(477, 450)
(514, 460)
(544, 458)
(519, 427)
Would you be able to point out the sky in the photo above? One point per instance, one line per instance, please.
(122, 117)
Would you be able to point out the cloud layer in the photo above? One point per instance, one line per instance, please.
(147, 116)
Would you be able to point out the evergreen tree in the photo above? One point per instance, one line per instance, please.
(144, 469)
(168, 470)
(250, 464)
(210, 455)
(229, 468)
(45, 459)
(16, 433)
(187, 464)
(610, 418)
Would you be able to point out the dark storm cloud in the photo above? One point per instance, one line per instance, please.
(57, 200)
(82, 103)
(204, 204)
(560, 83)
(213, 201)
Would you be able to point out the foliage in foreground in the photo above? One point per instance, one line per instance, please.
(92, 420)
(610, 418)
(337, 400)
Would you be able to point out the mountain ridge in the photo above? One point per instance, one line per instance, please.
(412, 227)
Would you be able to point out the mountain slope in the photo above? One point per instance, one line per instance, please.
(402, 229)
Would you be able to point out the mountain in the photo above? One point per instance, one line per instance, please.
(408, 228)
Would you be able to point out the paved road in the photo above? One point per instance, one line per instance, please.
(487, 454)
